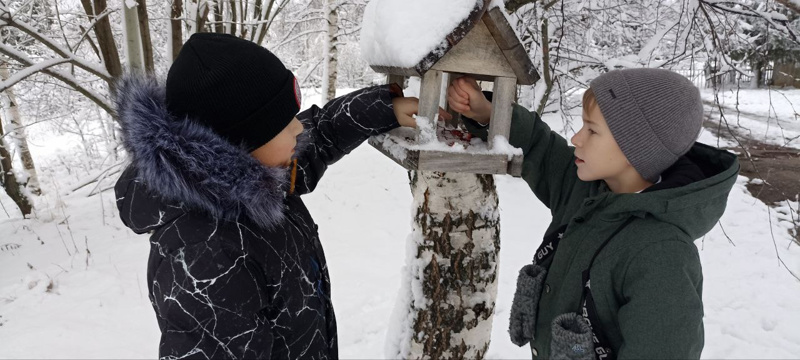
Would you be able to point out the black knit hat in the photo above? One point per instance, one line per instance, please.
(237, 88)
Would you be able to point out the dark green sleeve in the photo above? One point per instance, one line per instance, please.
(662, 316)
(549, 162)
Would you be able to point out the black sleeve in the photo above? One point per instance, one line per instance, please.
(209, 302)
(334, 130)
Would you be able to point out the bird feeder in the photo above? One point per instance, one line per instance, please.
(483, 46)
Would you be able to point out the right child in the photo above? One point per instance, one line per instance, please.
(617, 274)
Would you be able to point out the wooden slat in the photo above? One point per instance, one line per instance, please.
(429, 95)
(512, 48)
(409, 160)
(393, 70)
(396, 79)
(504, 91)
(456, 116)
(466, 162)
(515, 166)
(463, 162)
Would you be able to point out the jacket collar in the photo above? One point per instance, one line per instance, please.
(183, 162)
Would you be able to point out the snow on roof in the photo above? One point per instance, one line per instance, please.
(401, 33)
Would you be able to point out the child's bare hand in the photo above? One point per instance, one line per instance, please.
(406, 107)
(465, 96)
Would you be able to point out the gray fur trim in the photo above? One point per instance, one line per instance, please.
(571, 338)
(185, 162)
(522, 325)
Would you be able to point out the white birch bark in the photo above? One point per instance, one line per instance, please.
(133, 38)
(447, 298)
(331, 52)
(8, 102)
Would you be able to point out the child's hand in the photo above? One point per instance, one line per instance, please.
(406, 107)
(465, 96)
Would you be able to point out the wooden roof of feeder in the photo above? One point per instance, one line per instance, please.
(485, 33)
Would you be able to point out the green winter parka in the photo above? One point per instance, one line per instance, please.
(647, 281)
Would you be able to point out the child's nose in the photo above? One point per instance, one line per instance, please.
(575, 140)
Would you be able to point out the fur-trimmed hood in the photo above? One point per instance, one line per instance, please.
(187, 166)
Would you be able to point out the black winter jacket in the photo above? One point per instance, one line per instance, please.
(236, 268)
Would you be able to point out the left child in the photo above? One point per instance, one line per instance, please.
(218, 160)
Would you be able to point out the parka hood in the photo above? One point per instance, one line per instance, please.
(694, 208)
(178, 165)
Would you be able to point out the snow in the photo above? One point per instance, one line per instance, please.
(401, 141)
(101, 310)
(402, 33)
(771, 116)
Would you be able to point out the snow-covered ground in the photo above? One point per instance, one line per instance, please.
(59, 301)
(770, 116)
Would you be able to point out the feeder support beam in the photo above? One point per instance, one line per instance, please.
(502, 98)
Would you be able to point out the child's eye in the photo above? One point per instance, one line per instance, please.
(592, 132)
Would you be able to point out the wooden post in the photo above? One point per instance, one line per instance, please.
(429, 93)
(504, 91)
(396, 79)
(449, 77)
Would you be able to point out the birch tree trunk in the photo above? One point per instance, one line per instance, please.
(9, 181)
(133, 39)
(447, 300)
(16, 130)
(331, 54)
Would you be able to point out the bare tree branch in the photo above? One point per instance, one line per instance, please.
(60, 75)
(7, 19)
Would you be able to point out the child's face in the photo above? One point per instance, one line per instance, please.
(597, 154)
(279, 151)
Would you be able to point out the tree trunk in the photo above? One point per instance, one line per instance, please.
(233, 18)
(218, 27)
(176, 38)
(9, 101)
(9, 181)
(548, 80)
(147, 43)
(133, 40)
(263, 28)
(758, 75)
(331, 53)
(105, 38)
(447, 303)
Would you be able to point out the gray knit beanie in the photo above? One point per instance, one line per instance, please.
(654, 115)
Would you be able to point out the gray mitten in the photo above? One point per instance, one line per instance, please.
(522, 325)
(571, 338)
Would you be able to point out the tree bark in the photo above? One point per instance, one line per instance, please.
(177, 28)
(9, 101)
(105, 38)
(133, 41)
(218, 27)
(547, 77)
(9, 181)
(144, 30)
(447, 305)
(263, 28)
(331, 52)
(233, 17)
